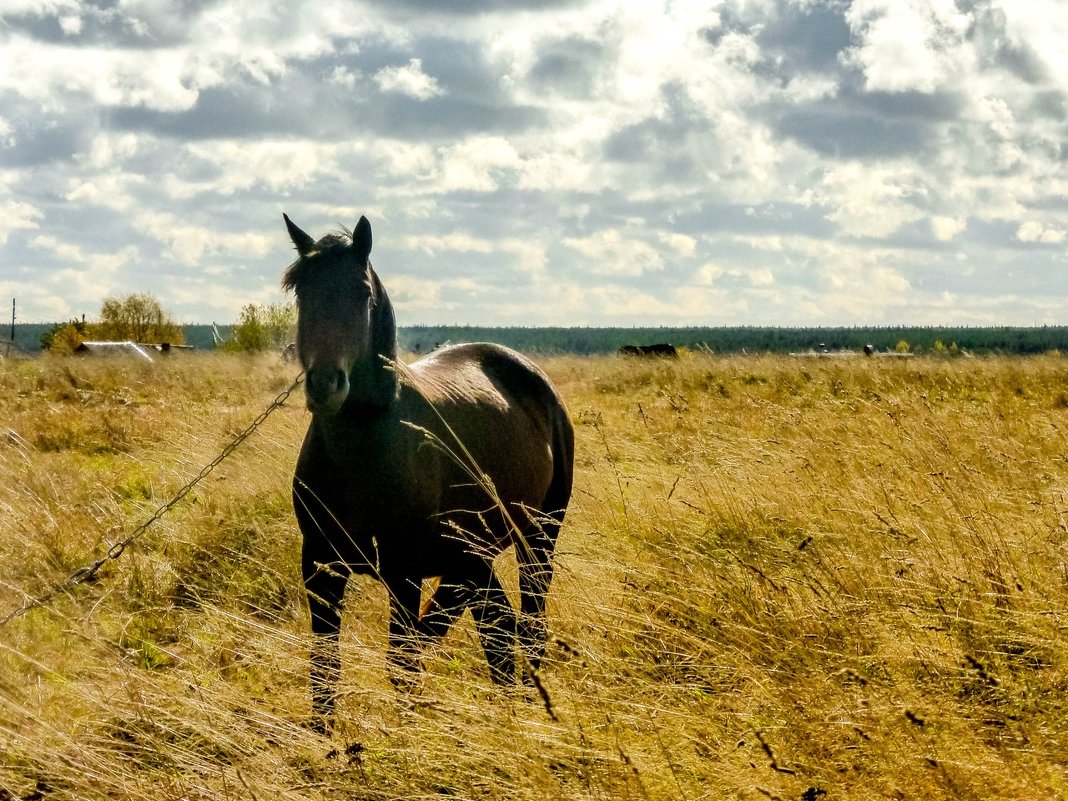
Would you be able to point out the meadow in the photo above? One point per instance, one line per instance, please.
(779, 578)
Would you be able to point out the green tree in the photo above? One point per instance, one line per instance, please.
(261, 328)
(137, 317)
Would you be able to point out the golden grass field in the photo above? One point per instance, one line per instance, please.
(779, 578)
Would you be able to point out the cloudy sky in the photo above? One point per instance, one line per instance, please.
(793, 162)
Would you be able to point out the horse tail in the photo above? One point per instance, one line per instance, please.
(563, 453)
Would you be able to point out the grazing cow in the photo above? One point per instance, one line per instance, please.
(660, 349)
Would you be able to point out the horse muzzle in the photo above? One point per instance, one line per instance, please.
(326, 389)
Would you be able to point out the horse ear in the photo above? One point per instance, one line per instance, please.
(305, 244)
(361, 238)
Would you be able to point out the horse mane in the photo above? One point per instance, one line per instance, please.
(296, 272)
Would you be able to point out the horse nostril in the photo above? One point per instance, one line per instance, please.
(324, 382)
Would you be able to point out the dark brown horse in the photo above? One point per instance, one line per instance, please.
(425, 470)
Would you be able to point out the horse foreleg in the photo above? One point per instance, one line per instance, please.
(535, 557)
(405, 638)
(325, 587)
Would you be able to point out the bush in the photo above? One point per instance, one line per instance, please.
(64, 338)
(263, 328)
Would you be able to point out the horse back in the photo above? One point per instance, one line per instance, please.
(495, 406)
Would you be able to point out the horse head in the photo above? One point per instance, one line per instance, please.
(345, 326)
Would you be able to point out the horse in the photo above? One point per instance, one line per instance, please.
(427, 470)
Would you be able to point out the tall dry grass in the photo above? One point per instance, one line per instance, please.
(779, 578)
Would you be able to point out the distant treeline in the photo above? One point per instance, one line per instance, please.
(733, 339)
(750, 339)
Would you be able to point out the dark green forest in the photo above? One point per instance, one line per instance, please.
(747, 339)
(750, 339)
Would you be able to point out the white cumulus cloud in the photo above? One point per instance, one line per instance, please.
(408, 80)
(1034, 231)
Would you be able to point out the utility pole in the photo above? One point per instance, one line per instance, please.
(12, 319)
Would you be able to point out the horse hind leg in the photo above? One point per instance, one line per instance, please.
(496, 623)
(535, 557)
(534, 552)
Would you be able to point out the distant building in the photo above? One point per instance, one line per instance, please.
(127, 348)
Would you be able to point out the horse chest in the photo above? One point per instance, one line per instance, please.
(375, 475)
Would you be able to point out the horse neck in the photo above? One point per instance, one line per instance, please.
(374, 381)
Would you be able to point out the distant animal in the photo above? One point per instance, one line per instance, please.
(661, 349)
(418, 471)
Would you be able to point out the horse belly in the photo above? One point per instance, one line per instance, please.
(516, 469)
